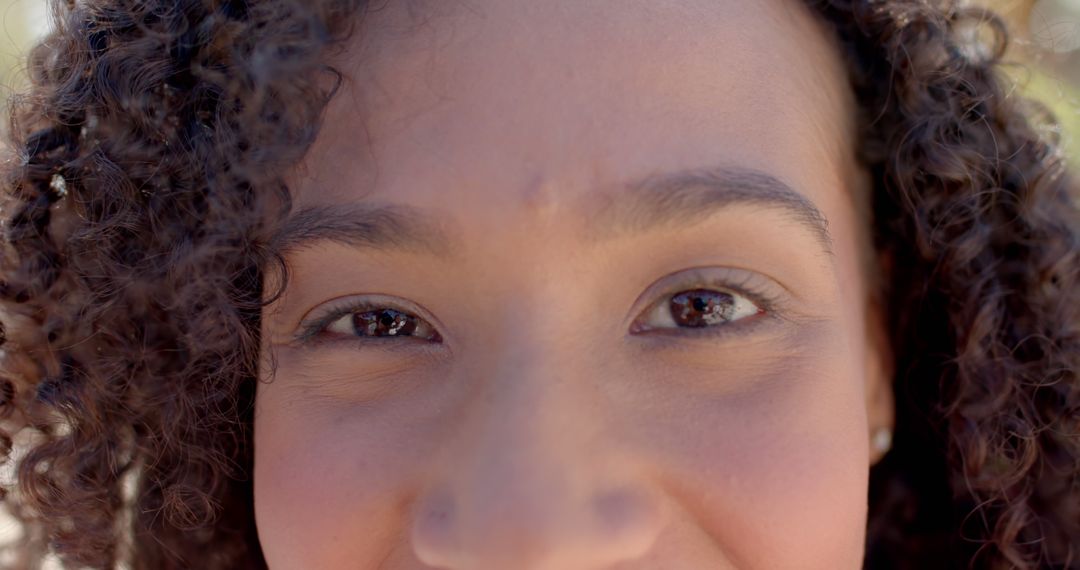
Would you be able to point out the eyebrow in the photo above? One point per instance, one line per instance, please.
(361, 225)
(683, 198)
(689, 197)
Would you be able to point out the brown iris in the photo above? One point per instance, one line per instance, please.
(384, 322)
(701, 308)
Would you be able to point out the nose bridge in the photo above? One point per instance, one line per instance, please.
(536, 392)
(527, 482)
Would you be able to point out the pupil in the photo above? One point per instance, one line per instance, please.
(701, 308)
(386, 322)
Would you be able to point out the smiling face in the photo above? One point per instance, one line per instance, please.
(575, 287)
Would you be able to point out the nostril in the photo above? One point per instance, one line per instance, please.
(432, 532)
(628, 521)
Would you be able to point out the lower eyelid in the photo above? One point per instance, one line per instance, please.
(661, 307)
(314, 327)
(405, 344)
(736, 329)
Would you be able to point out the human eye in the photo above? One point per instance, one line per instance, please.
(705, 303)
(367, 320)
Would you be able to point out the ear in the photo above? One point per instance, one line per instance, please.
(880, 369)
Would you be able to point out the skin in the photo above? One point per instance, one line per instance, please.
(524, 148)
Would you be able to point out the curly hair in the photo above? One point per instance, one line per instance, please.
(145, 186)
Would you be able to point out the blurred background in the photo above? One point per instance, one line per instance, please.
(1044, 58)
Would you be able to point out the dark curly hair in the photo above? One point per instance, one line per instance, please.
(145, 186)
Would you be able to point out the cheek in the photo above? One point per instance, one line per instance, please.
(776, 476)
(328, 482)
(766, 459)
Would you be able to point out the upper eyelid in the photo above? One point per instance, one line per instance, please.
(767, 308)
(709, 277)
(312, 326)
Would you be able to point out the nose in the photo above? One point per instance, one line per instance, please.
(533, 481)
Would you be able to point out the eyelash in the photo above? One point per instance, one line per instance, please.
(309, 332)
(747, 285)
(767, 303)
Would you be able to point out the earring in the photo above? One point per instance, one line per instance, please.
(882, 440)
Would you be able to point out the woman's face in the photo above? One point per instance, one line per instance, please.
(583, 288)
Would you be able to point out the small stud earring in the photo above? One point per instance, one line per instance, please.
(882, 440)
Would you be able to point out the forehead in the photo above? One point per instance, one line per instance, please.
(514, 104)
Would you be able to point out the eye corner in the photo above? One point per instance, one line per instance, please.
(741, 302)
(747, 328)
(638, 328)
(316, 332)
